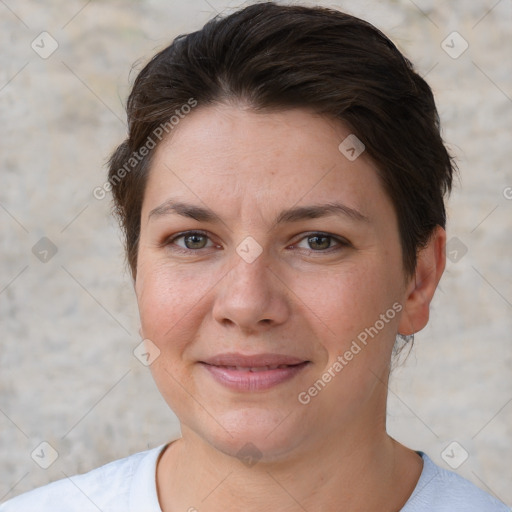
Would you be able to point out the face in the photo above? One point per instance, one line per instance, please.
(274, 315)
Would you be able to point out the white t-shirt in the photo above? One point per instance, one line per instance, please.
(129, 485)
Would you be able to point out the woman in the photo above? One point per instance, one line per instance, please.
(282, 195)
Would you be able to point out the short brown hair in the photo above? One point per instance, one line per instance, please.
(277, 57)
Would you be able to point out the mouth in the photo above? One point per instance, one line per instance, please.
(253, 373)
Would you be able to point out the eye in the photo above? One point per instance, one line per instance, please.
(193, 241)
(321, 242)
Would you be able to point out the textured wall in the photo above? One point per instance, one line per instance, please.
(69, 320)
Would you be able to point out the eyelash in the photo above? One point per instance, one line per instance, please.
(341, 242)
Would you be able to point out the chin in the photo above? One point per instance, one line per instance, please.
(255, 433)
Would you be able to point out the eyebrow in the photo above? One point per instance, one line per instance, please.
(294, 214)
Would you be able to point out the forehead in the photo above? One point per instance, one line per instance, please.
(231, 155)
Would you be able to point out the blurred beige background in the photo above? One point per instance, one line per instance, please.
(69, 324)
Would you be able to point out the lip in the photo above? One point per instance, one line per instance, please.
(253, 372)
(252, 361)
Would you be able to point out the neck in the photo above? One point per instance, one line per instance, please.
(356, 471)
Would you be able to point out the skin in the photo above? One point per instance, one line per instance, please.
(297, 298)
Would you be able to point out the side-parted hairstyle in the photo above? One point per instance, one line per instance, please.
(276, 57)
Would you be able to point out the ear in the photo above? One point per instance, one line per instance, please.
(430, 265)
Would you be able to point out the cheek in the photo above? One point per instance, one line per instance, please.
(164, 297)
(352, 297)
(352, 308)
(168, 300)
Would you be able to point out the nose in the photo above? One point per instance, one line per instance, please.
(251, 297)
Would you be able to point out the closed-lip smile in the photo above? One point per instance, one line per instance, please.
(253, 372)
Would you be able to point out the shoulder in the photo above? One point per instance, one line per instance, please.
(440, 490)
(108, 488)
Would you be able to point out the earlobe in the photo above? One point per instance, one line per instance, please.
(430, 266)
